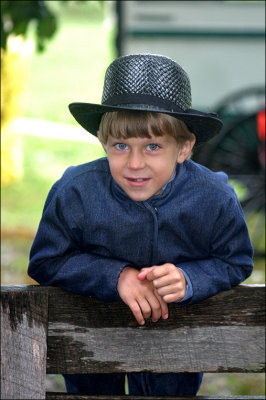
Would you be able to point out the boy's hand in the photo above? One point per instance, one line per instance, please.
(140, 296)
(167, 279)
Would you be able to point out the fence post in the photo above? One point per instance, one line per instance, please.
(24, 316)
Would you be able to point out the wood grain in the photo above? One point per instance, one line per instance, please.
(23, 343)
(84, 335)
(222, 334)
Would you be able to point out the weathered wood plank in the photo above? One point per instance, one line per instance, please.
(222, 334)
(243, 304)
(24, 312)
(65, 396)
(221, 328)
(213, 349)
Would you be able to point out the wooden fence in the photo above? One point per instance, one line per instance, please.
(47, 330)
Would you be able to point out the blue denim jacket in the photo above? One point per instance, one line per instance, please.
(90, 230)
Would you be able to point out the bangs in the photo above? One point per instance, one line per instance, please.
(126, 124)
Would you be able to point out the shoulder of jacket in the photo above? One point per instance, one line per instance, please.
(100, 165)
(96, 167)
(83, 174)
(214, 182)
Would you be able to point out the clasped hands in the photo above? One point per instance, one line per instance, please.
(147, 292)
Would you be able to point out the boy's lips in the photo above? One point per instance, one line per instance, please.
(137, 181)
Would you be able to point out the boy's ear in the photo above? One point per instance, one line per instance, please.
(186, 150)
(102, 143)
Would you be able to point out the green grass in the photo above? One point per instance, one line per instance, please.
(44, 161)
(71, 69)
(73, 66)
(233, 384)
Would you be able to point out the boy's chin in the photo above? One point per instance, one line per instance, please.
(141, 196)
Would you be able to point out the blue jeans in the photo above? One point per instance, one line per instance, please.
(141, 383)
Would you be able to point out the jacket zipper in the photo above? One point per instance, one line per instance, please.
(154, 211)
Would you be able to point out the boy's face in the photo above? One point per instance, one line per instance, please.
(142, 166)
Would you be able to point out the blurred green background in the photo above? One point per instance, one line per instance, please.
(40, 138)
(71, 68)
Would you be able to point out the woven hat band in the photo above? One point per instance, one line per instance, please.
(143, 101)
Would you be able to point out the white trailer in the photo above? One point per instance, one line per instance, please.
(221, 44)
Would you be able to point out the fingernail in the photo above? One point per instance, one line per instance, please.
(165, 316)
(142, 323)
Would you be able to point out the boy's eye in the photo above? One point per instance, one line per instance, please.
(121, 146)
(152, 147)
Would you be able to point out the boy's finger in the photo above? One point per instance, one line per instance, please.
(164, 306)
(165, 280)
(169, 289)
(170, 298)
(135, 308)
(145, 307)
(143, 273)
(155, 307)
(155, 272)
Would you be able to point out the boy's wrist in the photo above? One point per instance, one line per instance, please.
(123, 275)
(125, 270)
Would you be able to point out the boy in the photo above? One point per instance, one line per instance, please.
(146, 225)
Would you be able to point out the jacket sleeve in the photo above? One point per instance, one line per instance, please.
(57, 257)
(230, 256)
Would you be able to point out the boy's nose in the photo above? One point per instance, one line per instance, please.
(135, 160)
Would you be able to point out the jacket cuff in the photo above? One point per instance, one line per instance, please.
(189, 288)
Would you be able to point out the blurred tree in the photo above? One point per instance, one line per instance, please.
(18, 19)
(18, 16)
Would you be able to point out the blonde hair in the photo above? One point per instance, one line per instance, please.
(127, 124)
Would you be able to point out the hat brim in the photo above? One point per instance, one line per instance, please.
(203, 125)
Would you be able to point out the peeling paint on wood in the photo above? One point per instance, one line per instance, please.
(23, 344)
(223, 333)
(209, 349)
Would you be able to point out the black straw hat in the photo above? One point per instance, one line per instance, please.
(147, 82)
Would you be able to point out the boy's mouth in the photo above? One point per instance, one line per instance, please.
(137, 181)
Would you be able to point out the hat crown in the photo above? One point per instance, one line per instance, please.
(147, 74)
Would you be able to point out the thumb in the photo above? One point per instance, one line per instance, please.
(143, 273)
